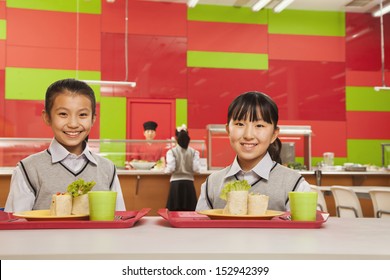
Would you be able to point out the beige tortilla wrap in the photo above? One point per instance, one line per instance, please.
(257, 204)
(61, 205)
(237, 203)
(80, 205)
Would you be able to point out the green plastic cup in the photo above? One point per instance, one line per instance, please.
(303, 206)
(102, 205)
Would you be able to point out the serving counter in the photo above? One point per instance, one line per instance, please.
(153, 238)
(149, 189)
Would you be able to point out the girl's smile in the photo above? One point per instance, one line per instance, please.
(250, 140)
(71, 120)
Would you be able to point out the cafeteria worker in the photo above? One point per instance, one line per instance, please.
(149, 151)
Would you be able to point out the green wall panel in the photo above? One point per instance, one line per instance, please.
(307, 23)
(227, 60)
(365, 151)
(113, 118)
(113, 126)
(226, 14)
(31, 83)
(367, 99)
(181, 112)
(88, 7)
(3, 29)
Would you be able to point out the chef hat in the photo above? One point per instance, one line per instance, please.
(150, 125)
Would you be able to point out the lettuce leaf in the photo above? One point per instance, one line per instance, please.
(241, 185)
(79, 187)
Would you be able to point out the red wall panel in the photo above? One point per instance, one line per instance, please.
(308, 90)
(52, 29)
(210, 92)
(306, 48)
(30, 124)
(327, 136)
(146, 18)
(359, 123)
(2, 9)
(227, 37)
(363, 42)
(55, 58)
(3, 121)
(156, 63)
(365, 78)
(2, 54)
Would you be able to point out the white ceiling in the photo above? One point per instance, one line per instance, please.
(360, 6)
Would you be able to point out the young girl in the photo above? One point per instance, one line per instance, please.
(252, 126)
(182, 162)
(70, 111)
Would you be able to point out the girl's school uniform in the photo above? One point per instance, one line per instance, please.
(267, 178)
(182, 163)
(39, 176)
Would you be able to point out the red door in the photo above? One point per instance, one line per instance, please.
(162, 111)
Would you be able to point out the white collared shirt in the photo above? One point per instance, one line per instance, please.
(21, 198)
(261, 170)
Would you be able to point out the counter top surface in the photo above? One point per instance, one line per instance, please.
(154, 238)
(9, 170)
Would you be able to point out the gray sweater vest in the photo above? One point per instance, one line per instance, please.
(45, 178)
(184, 163)
(282, 180)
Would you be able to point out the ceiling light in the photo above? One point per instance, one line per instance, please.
(192, 3)
(110, 83)
(259, 5)
(381, 88)
(282, 5)
(381, 11)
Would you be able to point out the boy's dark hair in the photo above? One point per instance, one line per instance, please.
(256, 105)
(183, 139)
(72, 86)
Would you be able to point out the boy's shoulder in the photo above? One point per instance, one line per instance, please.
(37, 156)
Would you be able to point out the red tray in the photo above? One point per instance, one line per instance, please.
(191, 219)
(8, 221)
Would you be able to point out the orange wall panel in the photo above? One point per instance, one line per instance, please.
(227, 37)
(306, 48)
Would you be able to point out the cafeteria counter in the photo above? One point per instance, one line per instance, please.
(149, 189)
(152, 238)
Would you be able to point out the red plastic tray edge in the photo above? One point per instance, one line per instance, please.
(204, 222)
(7, 224)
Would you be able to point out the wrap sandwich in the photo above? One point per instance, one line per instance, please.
(79, 191)
(240, 202)
(61, 204)
(236, 195)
